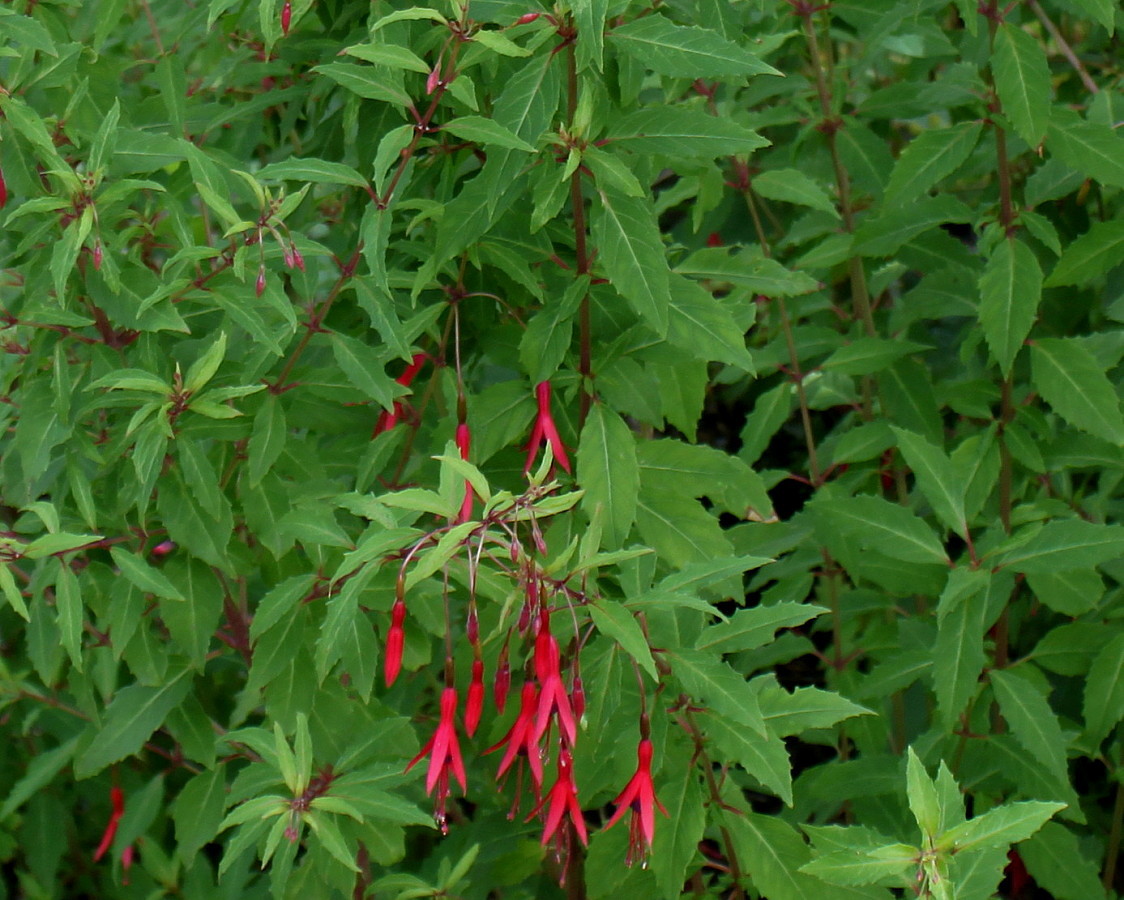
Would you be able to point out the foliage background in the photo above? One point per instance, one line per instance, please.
(830, 297)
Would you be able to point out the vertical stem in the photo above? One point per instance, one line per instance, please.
(577, 208)
(1112, 853)
(824, 70)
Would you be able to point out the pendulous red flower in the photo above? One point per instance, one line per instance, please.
(444, 752)
(388, 420)
(639, 796)
(117, 810)
(395, 639)
(545, 429)
(553, 697)
(464, 440)
(474, 705)
(562, 800)
(520, 738)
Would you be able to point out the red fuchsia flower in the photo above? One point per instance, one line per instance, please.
(464, 439)
(259, 285)
(395, 639)
(639, 796)
(388, 420)
(474, 705)
(117, 805)
(520, 738)
(562, 800)
(3, 190)
(553, 699)
(286, 16)
(527, 18)
(444, 752)
(545, 428)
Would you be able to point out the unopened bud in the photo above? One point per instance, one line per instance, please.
(527, 18)
(286, 16)
(259, 286)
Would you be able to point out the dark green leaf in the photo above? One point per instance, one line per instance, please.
(683, 51)
(1010, 289)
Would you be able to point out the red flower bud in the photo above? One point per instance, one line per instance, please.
(474, 705)
(527, 18)
(434, 79)
(286, 16)
(117, 804)
(395, 639)
(577, 697)
(714, 239)
(298, 260)
(164, 548)
(259, 286)
(472, 628)
(502, 682)
(97, 256)
(3, 190)
(464, 439)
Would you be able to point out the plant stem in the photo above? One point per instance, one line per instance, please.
(581, 247)
(1112, 852)
(1063, 46)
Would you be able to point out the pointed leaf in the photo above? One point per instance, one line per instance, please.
(1097, 251)
(1074, 383)
(1032, 721)
(1010, 289)
(940, 483)
(931, 156)
(684, 52)
(1104, 690)
(1022, 80)
(608, 472)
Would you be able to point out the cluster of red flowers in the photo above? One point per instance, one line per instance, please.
(545, 731)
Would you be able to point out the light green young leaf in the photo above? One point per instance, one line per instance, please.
(1010, 289)
(924, 802)
(1074, 383)
(856, 867)
(393, 55)
(999, 827)
(1022, 80)
(315, 171)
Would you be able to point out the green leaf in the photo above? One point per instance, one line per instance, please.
(773, 853)
(879, 524)
(1103, 11)
(1032, 721)
(1097, 251)
(267, 439)
(867, 355)
(803, 709)
(615, 621)
(924, 802)
(684, 51)
(958, 652)
(764, 757)
(793, 186)
(1010, 289)
(60, 542)
(716, 684)
(931, 156)
(676, 842)
(68, 600)
(389, 55)
(678, 528)
(1022, 80)
(940, 482)
(198, 812)
(608, 472)
(192, 624)
(13, 594)
(1095, 150)
(748, 629)
(1060, 865)
(131, 717)
(1064, 544)
(363, 366)
(683, 132)
(41, 771)
(485, 131)
(999, 827)
(632, 255)
(701, 325)
(203, 538)
(367, 82)
(27, 31)
(1074, 383)
(1104, 690)
(149, 579)
(898, 225)
(316, 171)
(747, 269)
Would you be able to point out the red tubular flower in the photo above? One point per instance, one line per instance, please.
(286, 16)
(639, 796)
(117, 804)
(520, 738)
(395, 638)
(553, 698)
(464, 439)
(388, 420)
(474, 705)
(3, 190)
(259, 285)
(562, 800)
(545, 428)
(444, 751)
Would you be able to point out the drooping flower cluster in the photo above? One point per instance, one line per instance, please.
(543, 737)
